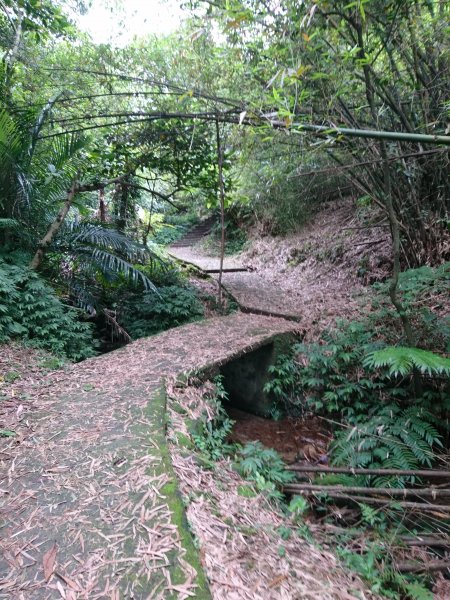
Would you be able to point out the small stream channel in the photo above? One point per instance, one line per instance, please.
(250, 407)
(295, 439)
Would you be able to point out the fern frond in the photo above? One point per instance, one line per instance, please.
(402, 361)
(9, 224)
(391, 438)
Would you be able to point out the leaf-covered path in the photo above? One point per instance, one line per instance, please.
(253, 292)
(89, 504)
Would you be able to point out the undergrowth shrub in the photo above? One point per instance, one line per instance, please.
(211, 432)
(265, 467)
(394, 401)
(30, 311)
(424, 295)
(235, 238)
(391, 438)
(172, 227)
(147, 313)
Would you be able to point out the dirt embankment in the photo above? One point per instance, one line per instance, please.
(326, 267)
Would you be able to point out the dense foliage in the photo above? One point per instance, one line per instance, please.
(266, 109)
(392, 401)
(30, 310)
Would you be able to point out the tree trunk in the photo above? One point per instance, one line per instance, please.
(53, 230)
(122, 208)
(387, 198)
(222, 210)
(102, 205)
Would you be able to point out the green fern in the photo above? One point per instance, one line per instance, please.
(392, 438)
(402, 361)
(31, 312)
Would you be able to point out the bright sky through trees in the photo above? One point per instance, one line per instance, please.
(118, 22)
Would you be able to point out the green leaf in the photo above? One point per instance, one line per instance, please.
(402, 361)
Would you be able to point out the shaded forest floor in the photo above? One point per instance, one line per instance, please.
(316, 276)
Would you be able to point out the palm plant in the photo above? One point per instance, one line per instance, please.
(90, 255)
(35, 176)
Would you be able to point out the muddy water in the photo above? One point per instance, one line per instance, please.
(295, 439)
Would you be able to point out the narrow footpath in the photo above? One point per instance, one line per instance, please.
(253, 293)
(89, 504)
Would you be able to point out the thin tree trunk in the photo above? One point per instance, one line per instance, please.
(102, 206)
(53, 229)
(122, 209)
(10, 58)
(222, 210)
(388, 201)
(147, 228)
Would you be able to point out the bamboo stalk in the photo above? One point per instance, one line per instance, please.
(434, 565)
(372, 134)
(393, 492)
(421, 507)
(349, 471)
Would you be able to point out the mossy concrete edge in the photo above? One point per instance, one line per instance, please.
(156, 410)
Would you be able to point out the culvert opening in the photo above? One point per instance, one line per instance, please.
(252, 409)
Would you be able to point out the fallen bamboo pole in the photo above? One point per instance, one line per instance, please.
(230, 270)
(422, 507)
(423, 540)
(411, 567)
(432, 493)
(430, 540)
(349, 471)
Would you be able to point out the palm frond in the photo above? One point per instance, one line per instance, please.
(111, 240)
(112, 264)
(9, 224)
(40, 121)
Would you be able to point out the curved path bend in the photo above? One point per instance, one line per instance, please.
(252, 292)
(89, 500)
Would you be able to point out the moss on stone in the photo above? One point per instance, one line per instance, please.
(183, 440)
(156, 410)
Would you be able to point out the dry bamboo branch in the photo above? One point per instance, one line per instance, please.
(349, 471)
(118, 329)
(427, 540)
(393, 492)
(221, 191)
(412, 567)
(420, 507)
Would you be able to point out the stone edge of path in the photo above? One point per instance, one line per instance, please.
(157, 410)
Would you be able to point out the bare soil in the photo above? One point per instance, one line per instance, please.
(293, 438)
